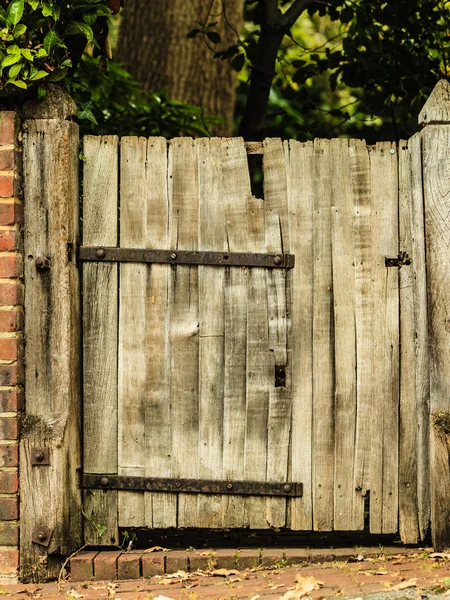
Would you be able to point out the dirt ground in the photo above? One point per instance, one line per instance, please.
(415, 576)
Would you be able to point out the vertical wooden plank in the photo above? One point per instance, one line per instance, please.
(51, 495)
(301, 197)
(436, 142)
(100, 321)
(348, 503)
(278, 296)
(132, 382)
(384, 457)
(184, 324)
(235, 198)
(323, 344)
(421, 341)
(211, 281)
(160, 508)
(362, 232)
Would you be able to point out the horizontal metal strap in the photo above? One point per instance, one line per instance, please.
(191, 486)
(186, 257)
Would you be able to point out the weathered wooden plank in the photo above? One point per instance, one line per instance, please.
(278, 296)
(348, 503)
(436, 108)
(51, 495)
(235, 200)
(323, 344)
(422, 368)
(132, 381)
(436, 141)
(362, 232)
(212, 236)
(301, 198)
(384, 457)
(160, 509)
(184, 324)
(100, 313)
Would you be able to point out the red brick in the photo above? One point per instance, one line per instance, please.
(176, 561)
(9, 561)
(9, 534)
(10, 348)
(248, 559)
(295, 556)
(6, 186)
(201, 561)
(11, 400)
(7, 240)
(9, 482)
(10, 320)
(9, 428)
(272, 557)
(7, 127)
(105, 565)
(11, 213)
(11, 293)
(9, 509)
(6, 159)
(11, 374)
(129, 565)
(10, 266)
(152, 564)
(82, 566)
(9, 454)
(225, 559)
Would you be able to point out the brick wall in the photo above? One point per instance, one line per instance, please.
(11, 340)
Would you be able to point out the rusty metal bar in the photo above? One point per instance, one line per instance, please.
(186, 257)
(191, 486)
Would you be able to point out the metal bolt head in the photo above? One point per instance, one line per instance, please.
(229, 486)
(104, 481)
(177, 484)
(173, 256)
(39, 456)
(277, 260)
(42, 536)
(287, 488)
(42, 262)
(392, 151)
(100, 253)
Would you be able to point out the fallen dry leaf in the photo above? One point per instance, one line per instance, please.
(303, 587)
(374, 572)
(442, 555)
(75, 594)
(155, 549)
(163, 598)
(255, 597)
(275, 586)
(403, 585)
(224, 572)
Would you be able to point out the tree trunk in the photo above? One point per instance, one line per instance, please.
(153, 44)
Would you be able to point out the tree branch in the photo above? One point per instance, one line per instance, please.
(293, 12)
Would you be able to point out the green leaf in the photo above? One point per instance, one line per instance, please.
(38, 75)
(193, 33)
(33, 3)
(42, 92)
(57, 75)
(86, 113)
(19, 83)
(14, 12)
(213, 37)
(41, 53)
(10, 59)
(27, 54)
(15, 70)
(77, 27)
(47, 10)
(13, 49)
(51, 40)
(19, 30)
(238, 62)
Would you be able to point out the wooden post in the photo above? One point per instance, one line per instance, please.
(50, 512)
(436, 184)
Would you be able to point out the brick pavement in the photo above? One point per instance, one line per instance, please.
(418, 572)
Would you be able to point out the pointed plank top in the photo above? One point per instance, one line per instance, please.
(437, 108)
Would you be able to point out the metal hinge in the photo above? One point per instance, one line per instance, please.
(186, 257)
(191, 486)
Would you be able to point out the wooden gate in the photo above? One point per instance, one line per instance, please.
(201, 378)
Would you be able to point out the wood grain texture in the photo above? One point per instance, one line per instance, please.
(100, 314)
(161, 508)
(51, 495)
(323, 345)
(278, 298)
(235, 201)
(437, 108)
(211, 286)
(436, 185)
(384, 456)
(348, 503)
(301, 198)
(362, 235)
(184, 322)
